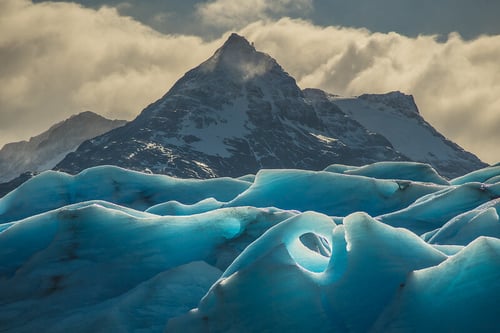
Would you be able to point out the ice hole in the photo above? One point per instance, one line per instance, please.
(317, 243)
(311, 252)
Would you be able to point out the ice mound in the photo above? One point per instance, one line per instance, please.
(457, 296)
(303, 291)
(352, 249)
(434, 210)
(330, 193)
(374, 272)
(94, 258)
(489, 175)
(420, 172)
(51, 190)
(177, 208)
(466, 227)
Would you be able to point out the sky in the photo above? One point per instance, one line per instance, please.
(116, 57)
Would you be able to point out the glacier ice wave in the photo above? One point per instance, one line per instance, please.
(51, 190)
(421, 172)
(93, 257)
(382, 248)
(433, 210)
(331, 193)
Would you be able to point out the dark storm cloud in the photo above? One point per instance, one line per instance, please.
(412, 18)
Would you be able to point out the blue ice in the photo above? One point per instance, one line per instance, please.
(388, 247)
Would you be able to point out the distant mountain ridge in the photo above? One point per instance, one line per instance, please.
(44, 151)
(396, 116)
(239, 111)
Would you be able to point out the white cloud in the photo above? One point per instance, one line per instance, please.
(59, 59)
(236, 14)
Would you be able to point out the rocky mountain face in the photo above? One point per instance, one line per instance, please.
(239, 111)
(45, 150)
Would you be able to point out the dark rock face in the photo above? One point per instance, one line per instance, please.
(234, 114)
(14, 183)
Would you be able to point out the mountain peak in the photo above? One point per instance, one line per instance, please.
(45, 150)
(239, 59)
(394, 99)
(237, 42)
(233, 69)
(85, 115)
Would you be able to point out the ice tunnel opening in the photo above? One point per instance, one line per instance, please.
(316, 243)
(311, 252)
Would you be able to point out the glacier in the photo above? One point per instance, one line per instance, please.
(386, 247)
(52, 189)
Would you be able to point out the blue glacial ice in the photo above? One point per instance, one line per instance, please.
(434, 210)
(51, 190)
(352, 249)
(489, 175)
(78, 257)
(460, 295)
(175, 207)
(299, 291)
(330, 193)
(420, 172)
(466, 227)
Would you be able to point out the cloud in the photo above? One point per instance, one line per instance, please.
(456, 83)
(236, 14)
(60, 58)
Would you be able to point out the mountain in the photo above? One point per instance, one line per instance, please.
(45, 150)
(396, 117)
(239, 111)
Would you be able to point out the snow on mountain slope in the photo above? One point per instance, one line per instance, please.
(395, 116)
(45, 150)
(236, 113)
(239, 112)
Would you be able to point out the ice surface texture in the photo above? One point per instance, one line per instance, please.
(385, 248)
(136, 190)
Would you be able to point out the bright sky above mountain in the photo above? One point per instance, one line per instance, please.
(114, 57)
